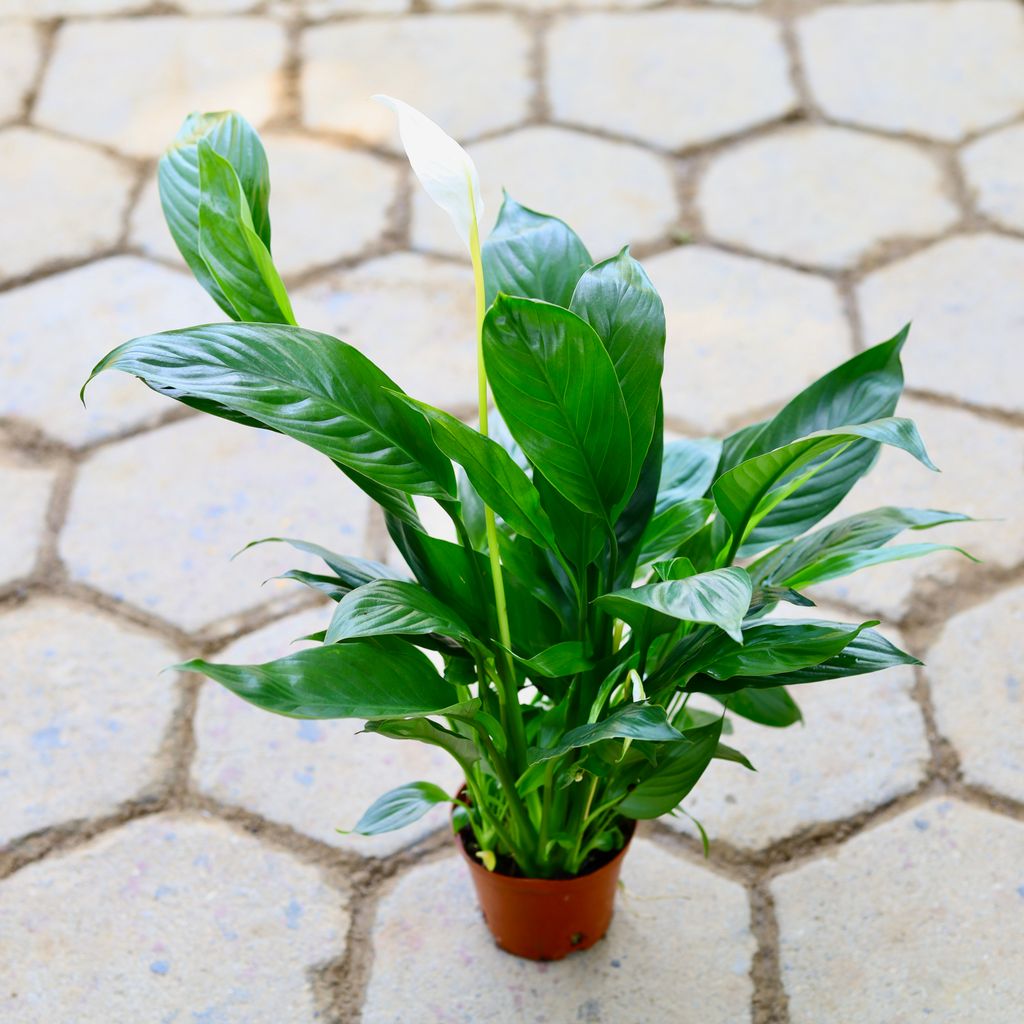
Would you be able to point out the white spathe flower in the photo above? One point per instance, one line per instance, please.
(444, 168)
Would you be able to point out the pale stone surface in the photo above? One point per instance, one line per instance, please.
(919, 918)
(823, 196)
(965, 300)
(175, 65)
(982, 475)
(412, 315)
(19, 59)
(154, 520)
(316, 776)
(610, 193)
(680, 936)
(742, 334)
(327, 203)
(85, 710)
(180, 915)
(677, 78)
(53, 332)
(468, 73)
(975, 678)
(994, 168)
(546, 5)
(940, 70)
(77, 196)
(26, 496)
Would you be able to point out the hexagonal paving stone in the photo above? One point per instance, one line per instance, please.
(186, 917)
(53, 332)
(916, 919)
(545, 5)
(20, 47)
(994, 168)
(26, 489)
(77, 196)
(175, 65)
(680, 936)
(975, 677)
(412, 315)
(862, 744)
(965, 300)
(734, 62)
(470, 73)
(327, 203)
(942, 70)
(822, 196)
(84, 713)
(981, 465)
(188, 496)
(609, 192)
(742, 334)
(316, 776)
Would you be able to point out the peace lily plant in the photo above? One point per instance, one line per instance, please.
(602, 576)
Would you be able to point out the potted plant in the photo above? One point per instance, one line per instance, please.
(602, 576)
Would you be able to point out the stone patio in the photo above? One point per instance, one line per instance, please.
(801, 178)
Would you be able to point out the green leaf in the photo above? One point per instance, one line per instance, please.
(723, 752)
(400, 807)
(351, 571)
(720, 598)
(532, 255)
(233, 252)
(556, 388)
(669, 529)
(770, 706)
(371, 679)
(564, 659)
(636, 516)
(687, 470)
(333, 587)
(833, 566)
(747, 493)
(231, 136)
(422, 730)
(394, 608)
(679, 768)
(631, 721)
(307, 385)
(617, 299)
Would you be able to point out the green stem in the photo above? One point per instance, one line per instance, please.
(580, 823)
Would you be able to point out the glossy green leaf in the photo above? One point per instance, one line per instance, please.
(351, 570)
(631, 721)
(556, 388)
(771, 706)
(310, 386)
(720, 598)
(231, 136)
(332, 586)
(532, 255)
(669, 529)
(723, 752)
(369, 679)
(687, 470)
(422, 730)
(400, 807)
(636, 516)
(565, 659)
(617, 299)
(233, 252)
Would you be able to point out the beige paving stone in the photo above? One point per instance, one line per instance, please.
(65, 8)
(326, 8)
(470, 74)
(316, 776)
(85, 710)
(77, 196)
(53, 332)
(917, 919)
(680, 936)
(154, 520)
(26, 495)
(742, 334)
(183, 916)
(20, 49)
(822, 196)
(975, 677)
(994, 169)
(677, 78)
(981, 465)
(175, 65)
(327, 203)
(412, 315)
(942, 70)
(862, 743)
(610, 193)
(546, 5)
(965, 300)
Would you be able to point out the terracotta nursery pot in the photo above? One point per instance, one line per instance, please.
(547, 919)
